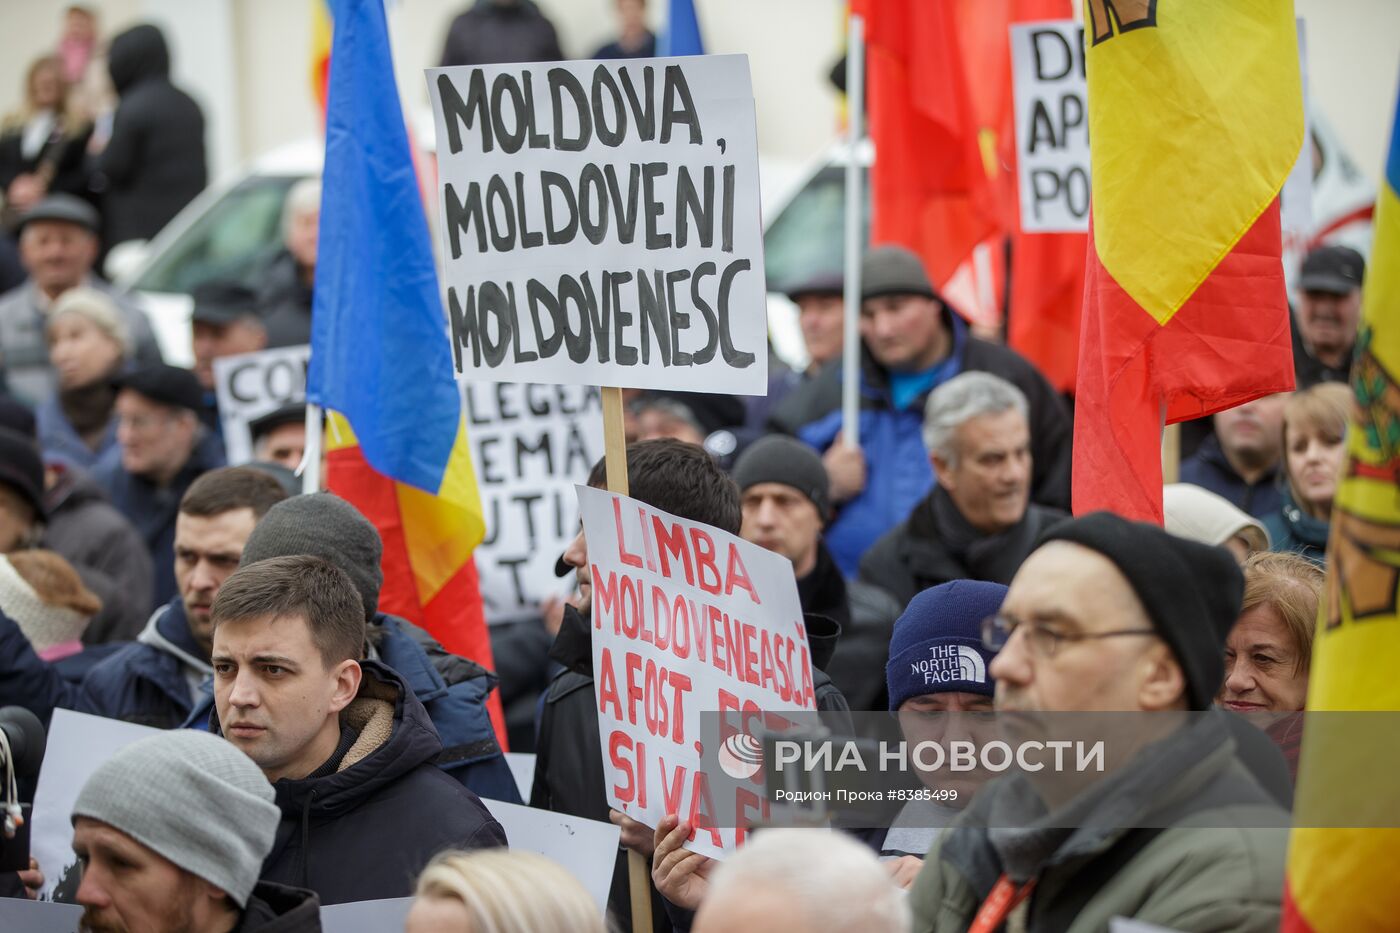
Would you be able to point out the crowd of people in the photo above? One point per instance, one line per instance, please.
(316, 750)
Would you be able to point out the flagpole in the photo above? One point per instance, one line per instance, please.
(855, 109)
(310, 467)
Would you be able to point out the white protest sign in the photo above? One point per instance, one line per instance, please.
(586, 848)
(251, 385)
(522, 768)
(530, 445)
(77, 745)
(38, 916)
(1052, 126)
(686, 619)
(365, 916)
(600, 222)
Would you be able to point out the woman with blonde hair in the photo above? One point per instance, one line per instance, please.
(1314, 450)
(88, 344)
(500, 891)
(46, 598)
(42, 144)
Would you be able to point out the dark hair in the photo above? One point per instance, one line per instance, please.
(229, 488)
(300, 585)
(679, 478)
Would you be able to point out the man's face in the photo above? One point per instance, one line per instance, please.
(16, 519)
(933, 717)
(58, 255)
(1065, 589)
(276, 698)
(216, 341)
(1262, 673)
(781, 519)
(576, 556)
(656, 423)
(902, 331)
(156, 439)
(127, 888)
(301, 237)
(820, 317)
(990, 482)
(207, 551)
(284, 444)
(1328, 321)
(1254, 429)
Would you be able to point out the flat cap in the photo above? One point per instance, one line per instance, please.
(63, 208)
(168, 385)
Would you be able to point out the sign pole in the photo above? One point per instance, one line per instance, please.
(310, 466)
(855, 108)
(615, 456)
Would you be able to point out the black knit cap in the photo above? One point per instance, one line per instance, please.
(894, 270)
(22, 469)
(168, 385)
(781, 459)
(1191, 591)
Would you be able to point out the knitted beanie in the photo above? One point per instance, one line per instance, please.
(193, 799)
(52, 610)
(328, 527)
(780, 459)
(1190, 591)
(937, 643)
(894, 270)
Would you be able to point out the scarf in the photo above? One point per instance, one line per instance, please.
(89, 409)
(994, 557)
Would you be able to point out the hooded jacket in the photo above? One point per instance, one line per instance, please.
(1295, 531)
(365, 829)
(154, 162)
(276, 908)
(106, 551)
(152, 681)
(152, 509)
(898, 472)
(491, 33)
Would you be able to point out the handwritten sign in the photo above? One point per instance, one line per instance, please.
(1052, 126)
(530, 445)
(251, 385)
(600, 222)
(686, 618)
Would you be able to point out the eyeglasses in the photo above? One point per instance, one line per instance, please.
(1044, 642)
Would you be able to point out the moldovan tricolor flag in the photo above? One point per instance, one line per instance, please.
(1344, 879)
(1195, 120)
(380, 355)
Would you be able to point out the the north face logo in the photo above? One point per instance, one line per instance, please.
(1107, 18)
(950, 664)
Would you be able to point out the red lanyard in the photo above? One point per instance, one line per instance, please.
(1003, 899)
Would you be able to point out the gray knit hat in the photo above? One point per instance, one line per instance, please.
(328, 527)
(894, 270)
(192, 798)
(781, 459)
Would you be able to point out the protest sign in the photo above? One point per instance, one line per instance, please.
(586, 848)
(77, 745)
(522, 768)
(251, 385)
(365, 916)
(686, 619)
(1052, 126)
(530, 444)
(600, 222)
(38, 916)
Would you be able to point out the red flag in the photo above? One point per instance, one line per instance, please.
(1047, 297)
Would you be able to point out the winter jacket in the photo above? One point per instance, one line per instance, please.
(936, 544)
(152, 509)
(155, 680)
(492, 33)
(59, 439)
(1211, 869)
(284, 303)
(364, 828)
(866, 616)
(62, 154)
(1209, 469)
(520, 653)
(154, 162)
(451, 688)
(1293, 530)
(898, 472)
(106, 551)
(24, 345)
(276, 908)
(1308, 370)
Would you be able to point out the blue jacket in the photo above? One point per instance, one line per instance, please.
(57, 438)
(1209, 469)
(1293, 530)
(451, 688)
(898, 473)
(153, 509)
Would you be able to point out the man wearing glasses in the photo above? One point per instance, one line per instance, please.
(1113, 616)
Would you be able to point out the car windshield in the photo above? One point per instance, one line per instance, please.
(809, 235)
(234, 239)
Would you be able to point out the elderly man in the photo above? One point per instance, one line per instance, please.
(285, 298)
(224, 322)
(171, 833)
(1329, 309)
(162, 448)
(58, 246)
(977, 522)
(1109, 615)
(913, 343)
(1240, 461)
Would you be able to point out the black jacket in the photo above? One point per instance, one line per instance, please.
(154, 163)
(365, 830)
(936, 545)
(284, 303)
(866, 614)
(276, 908)
(491, 33)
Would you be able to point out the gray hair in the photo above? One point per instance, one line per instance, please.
(962, 398)
(96, 307)
(839, 881)
(302, 198)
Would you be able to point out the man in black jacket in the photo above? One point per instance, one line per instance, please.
(977, 522)
(348, 748)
